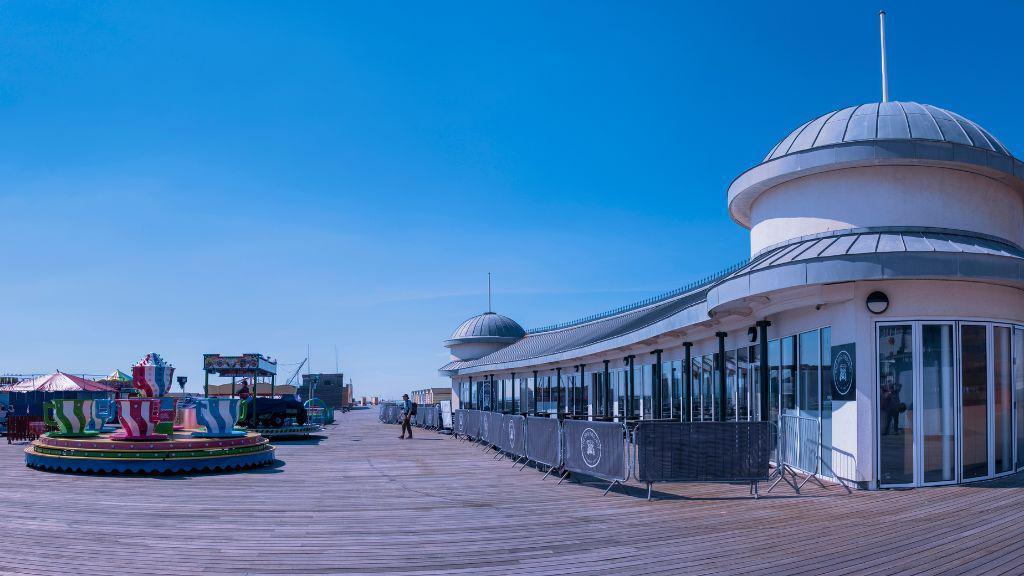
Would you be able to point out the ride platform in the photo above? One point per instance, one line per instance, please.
(179, 454)
(289, 431)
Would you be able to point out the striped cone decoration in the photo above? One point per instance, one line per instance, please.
(218, 415)
(138, 416)
(152, 375)
(71, 416)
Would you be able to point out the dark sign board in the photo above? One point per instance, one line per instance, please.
(844, 372)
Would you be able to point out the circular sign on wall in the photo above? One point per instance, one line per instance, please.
(842, 372)
(590, 447)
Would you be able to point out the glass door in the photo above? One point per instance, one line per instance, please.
(974, 396)
(896, 376)
(938, 404)
(1018, 391)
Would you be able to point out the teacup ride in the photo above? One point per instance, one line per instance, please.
(137, 449)
(218, 416)
(139, 418)
(74, 418)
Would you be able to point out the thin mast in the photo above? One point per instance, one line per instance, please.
(489, 292)
(885, 69)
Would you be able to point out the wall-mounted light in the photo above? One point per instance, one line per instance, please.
(877, 302)
(752, 334)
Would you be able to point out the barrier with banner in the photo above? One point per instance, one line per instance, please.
(459, 422)
(543, 441)
(703, 452)
(596, 449)
(473, 424)
(514, 435)
(495, 430)
(445, 421)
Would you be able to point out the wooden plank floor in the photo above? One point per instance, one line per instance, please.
(361, 501)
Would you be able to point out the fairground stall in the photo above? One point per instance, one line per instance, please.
(147, 441)
(253, 380)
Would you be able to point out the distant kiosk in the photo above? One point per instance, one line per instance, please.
(257, 368)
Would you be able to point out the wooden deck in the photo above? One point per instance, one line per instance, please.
(363, 501)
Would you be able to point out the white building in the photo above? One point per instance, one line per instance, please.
(880, 315)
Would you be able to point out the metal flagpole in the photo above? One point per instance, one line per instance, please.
(885, 70)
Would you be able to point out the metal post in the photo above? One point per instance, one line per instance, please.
(630, 387)
(688, 376)
(512, 408)
(721, 375)
(762, 344)
(232, 386)
(206, 384)
(534, 403)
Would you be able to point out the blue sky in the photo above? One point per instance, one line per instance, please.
(191, 177)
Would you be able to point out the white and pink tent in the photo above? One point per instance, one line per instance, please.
(57, 382)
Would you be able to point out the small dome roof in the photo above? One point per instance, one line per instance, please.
(876, 134)
(488, 326)
(887, 121)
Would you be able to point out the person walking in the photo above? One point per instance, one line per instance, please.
(408, 411)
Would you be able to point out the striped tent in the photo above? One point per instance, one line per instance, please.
(57, 382)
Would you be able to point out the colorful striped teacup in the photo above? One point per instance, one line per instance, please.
(218, 415)
(70, 416)
(138, 416)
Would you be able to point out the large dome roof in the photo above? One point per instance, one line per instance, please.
(488, 327)
(887, 121)
(877, 134)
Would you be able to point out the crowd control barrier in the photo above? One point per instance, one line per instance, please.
(596, 449)
(495, 428)
(389, 413)
(459, 422)
(703, 452)
(513, 439)
(445, 422)
(544, 441)
(473, 424)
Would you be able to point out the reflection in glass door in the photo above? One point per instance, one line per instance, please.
(896, 407)
(1002, 395)
(938, 404)
(974, 400)
(1018, 386)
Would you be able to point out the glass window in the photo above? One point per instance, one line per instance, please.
(788, 376)
(754, 374)
(742, 385)
(678, 399)
(665, 392)
(938, 403)
(707, 388)
(774, 379)
(731, 391)
(644, 389)
(808, 385)
(896, 384)
(531, 396)
(1018, 385)
(1002, 366)
(696, 387)
(974, 398)
(826, 401)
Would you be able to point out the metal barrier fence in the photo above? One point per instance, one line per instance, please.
(597, 449)
(800, 449)
(544, 441)
(495, 428)
(514, 438)
(703, 452)
(459, 422)
(473, 424)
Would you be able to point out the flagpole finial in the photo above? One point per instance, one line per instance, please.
(885, 70)
(489, 292)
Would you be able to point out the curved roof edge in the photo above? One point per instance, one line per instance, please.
(749, 185)
(853, 255)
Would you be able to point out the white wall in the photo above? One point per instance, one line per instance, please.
(886, 196)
